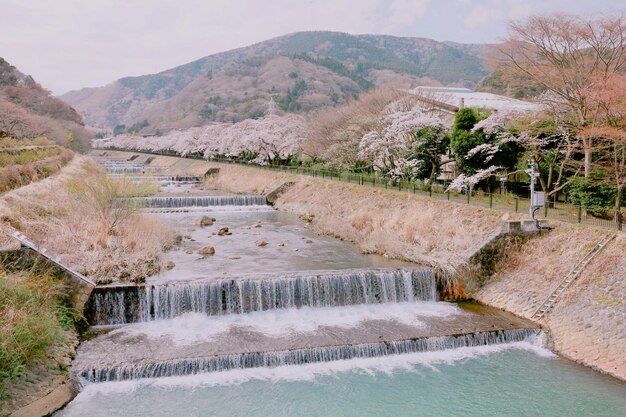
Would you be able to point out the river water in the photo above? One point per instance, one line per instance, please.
(306, 325)
(518, 379)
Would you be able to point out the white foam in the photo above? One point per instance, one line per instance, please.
(370, 366)
(195, 327)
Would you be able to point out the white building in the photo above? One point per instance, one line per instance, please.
(451, 99)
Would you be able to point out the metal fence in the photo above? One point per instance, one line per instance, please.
(507, 202)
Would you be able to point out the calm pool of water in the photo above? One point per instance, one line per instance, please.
(506, 380)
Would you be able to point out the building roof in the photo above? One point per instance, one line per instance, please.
(464, 97)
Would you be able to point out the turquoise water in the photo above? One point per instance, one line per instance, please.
(517, 379)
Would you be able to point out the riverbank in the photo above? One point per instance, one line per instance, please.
(37, 333)
(588, 324)
(69, 214)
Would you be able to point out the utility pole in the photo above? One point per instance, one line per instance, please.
(532, 189)
(536, 198)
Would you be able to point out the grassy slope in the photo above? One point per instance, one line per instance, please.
(71, 215)
(25, 161)
(588, 323)
(36, 334)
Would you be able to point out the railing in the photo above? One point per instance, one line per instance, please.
(508, 202)
(54, 259)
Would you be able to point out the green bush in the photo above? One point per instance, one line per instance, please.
(33, 314)
(597, 198)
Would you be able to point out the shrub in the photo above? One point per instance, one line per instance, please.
(33, 314)
(596, 197)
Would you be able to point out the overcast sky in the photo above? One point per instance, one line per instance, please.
(71, 44)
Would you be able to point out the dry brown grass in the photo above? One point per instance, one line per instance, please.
(14, 176)
(588, 323)
(72, 216)
(245, 180)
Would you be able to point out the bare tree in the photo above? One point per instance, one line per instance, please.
(573, 58)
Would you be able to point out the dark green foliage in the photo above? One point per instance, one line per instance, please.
(598, 198)
(119, 129)
(206, 112)
(7, 73)
(462, 140)
(435, 143)
(289, 102)
(338, 68)
(465, 119)
(256, 114)
(293, 75)
(138, 126)
(215, 100)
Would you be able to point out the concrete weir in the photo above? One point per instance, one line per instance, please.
(145, 350)
(112, 305)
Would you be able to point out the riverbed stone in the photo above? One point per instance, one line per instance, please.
(168, 265)
(224, 232)
(206, 221)
(207, 250)
(261, 243)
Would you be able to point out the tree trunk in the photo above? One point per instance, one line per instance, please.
(433, 173)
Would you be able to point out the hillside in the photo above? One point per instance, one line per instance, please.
(27, 111)
(301, 71)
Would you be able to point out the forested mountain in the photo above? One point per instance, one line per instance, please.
(299, 72)
(28, 110)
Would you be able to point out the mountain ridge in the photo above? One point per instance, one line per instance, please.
(28, 110)
(301, 71)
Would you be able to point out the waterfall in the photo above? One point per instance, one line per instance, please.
(302, 356)
(125, 170)
(159, 178)
(210, 201)
(127, 304)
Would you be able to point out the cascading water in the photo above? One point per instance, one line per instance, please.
(159, 178)
(125, 170)
(127, 304)
(210, 201)
(302, 356)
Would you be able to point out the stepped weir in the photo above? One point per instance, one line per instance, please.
(128, 304)
(217, 363)
(269, 319)
(206, 201)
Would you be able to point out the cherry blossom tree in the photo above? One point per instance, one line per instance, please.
(269, 140)
(406, 141)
